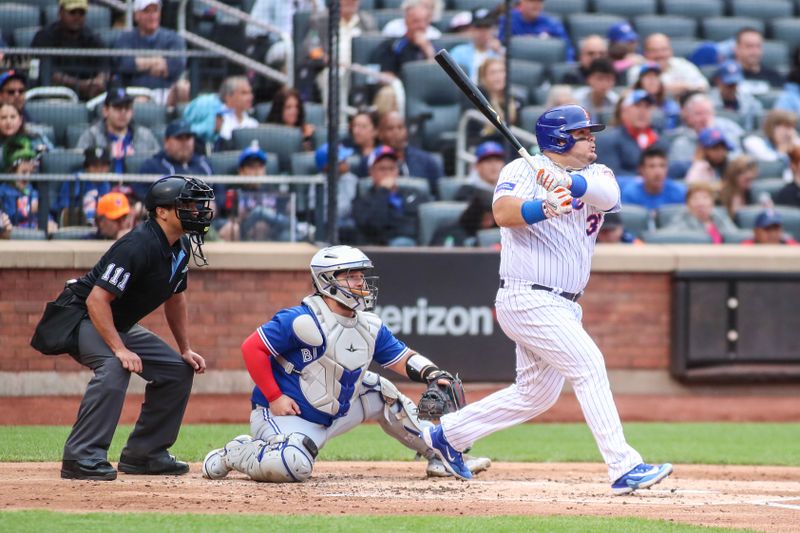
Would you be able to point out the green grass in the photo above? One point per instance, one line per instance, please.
(37, 521)
(701, 443)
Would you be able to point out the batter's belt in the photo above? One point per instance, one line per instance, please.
(571, 296)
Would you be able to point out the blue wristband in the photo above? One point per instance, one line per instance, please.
(579, 185)
(532, 211)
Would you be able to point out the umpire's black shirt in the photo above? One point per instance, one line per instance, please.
(142, 270)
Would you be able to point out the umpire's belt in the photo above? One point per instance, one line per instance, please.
(571, 296)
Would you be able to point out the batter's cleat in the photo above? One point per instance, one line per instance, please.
(475, 464)
(88, 469)
(214, 465)
(452, 459)
(641, 477)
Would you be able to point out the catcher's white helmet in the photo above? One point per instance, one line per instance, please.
(330, 261)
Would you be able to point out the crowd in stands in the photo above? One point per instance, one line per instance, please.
(703, 139)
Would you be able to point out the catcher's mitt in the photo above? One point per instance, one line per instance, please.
(440, 399)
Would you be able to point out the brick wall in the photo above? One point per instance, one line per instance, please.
(628, 314)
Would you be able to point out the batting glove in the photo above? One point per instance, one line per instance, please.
(551, 181)
(558, 202)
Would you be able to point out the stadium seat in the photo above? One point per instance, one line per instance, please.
(766, 10)
(435, 215)
(559, 70)
(283, 140)
(721, 28)
(383, 16)
(421, 185)
(666, 213)
(771, 169)
(42, 4)
(528, 77)
(776, 55)
(304, 164)
(488, 238)
(109, 35)
(430, 91)
(626, 8)
(584, 24)
(667, 236)
(59, 115)
(529, 115)
(74, 132)
(73, 233)
(28, 234)
(14, 16)
(767, 186)
(786, 31)
(227, 162)
(448, 187)
(769, 98)
(315, 114)
(24, 36)
(365, 46)
(635, 219)
(133, 162)
(567, 7)
(448, 42)
(98, 17)
(684, 47)
(544, 51)
(469, 5)
(673, 26)
(696, 9)
(737, 236)
(390, 4)
(62, 162)
(149, 114)
(746, 217)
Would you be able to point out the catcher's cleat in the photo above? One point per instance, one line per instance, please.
(452, 459)
(475, 464)
(641, 477)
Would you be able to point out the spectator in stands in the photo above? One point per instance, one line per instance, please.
(678, 74)
(228, 220)
(414, 45)
(388, 214)
(363, 128)
(412, 161)
(237, 98)
(710, 158)
(598, 97)
(13, 129)
(737, 181)
(160, 73)
(85, 75)
(528, 19)
(76, 204)
(177, 157)
(117, 132)
(19, 199)
(651, 188)
(698, 114)
(621, 147)
(778, 138)
(346, 191)
(476, 217)
(432, 10)
(113, 217)
(700, 214)
(666, 112)
(352, 23)
(726, 95)
(768, 229)
(749, 52)
(590, 48)
(613, 232)
(789, 98)
(492, 79)
(483, 43)
(490, 159)
(288, 110)
(12, 91)
(790, 194)
(623, 46)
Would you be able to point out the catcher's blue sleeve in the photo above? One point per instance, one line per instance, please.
(388, 348)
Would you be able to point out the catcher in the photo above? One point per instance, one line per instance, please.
(309, 364)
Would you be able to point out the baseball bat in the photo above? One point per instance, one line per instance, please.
(480, 102)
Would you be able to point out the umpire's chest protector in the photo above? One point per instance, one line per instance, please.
(332, 381)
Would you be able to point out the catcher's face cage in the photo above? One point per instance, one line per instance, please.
(342, 261)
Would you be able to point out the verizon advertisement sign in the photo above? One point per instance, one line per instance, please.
(441, 304)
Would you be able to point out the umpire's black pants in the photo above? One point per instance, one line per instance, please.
(169, 382)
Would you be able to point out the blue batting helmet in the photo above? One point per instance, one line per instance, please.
(555, 125)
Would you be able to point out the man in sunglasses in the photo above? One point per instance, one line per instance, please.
(85, 75)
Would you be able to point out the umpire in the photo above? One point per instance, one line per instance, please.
(142, 270)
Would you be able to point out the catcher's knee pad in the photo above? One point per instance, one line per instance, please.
(399, 419)
(279, 459)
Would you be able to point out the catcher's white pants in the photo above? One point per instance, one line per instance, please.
(551, 346)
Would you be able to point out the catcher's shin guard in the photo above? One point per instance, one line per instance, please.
(279, 459)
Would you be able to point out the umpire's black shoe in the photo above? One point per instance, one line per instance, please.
(88, 469)
(161, 466)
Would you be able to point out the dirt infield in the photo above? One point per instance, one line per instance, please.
(760, 498)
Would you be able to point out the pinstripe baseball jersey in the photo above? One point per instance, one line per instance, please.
(556, 252)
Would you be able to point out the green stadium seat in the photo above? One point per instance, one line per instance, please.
(635, 219)
(488, 238)
(673, 26)
(667, 236)
(435, 215)
(227, 162)
(696, 9)
(282, 140)
(17, 15)
(766, 10)
(721, 28)
(626, 8)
